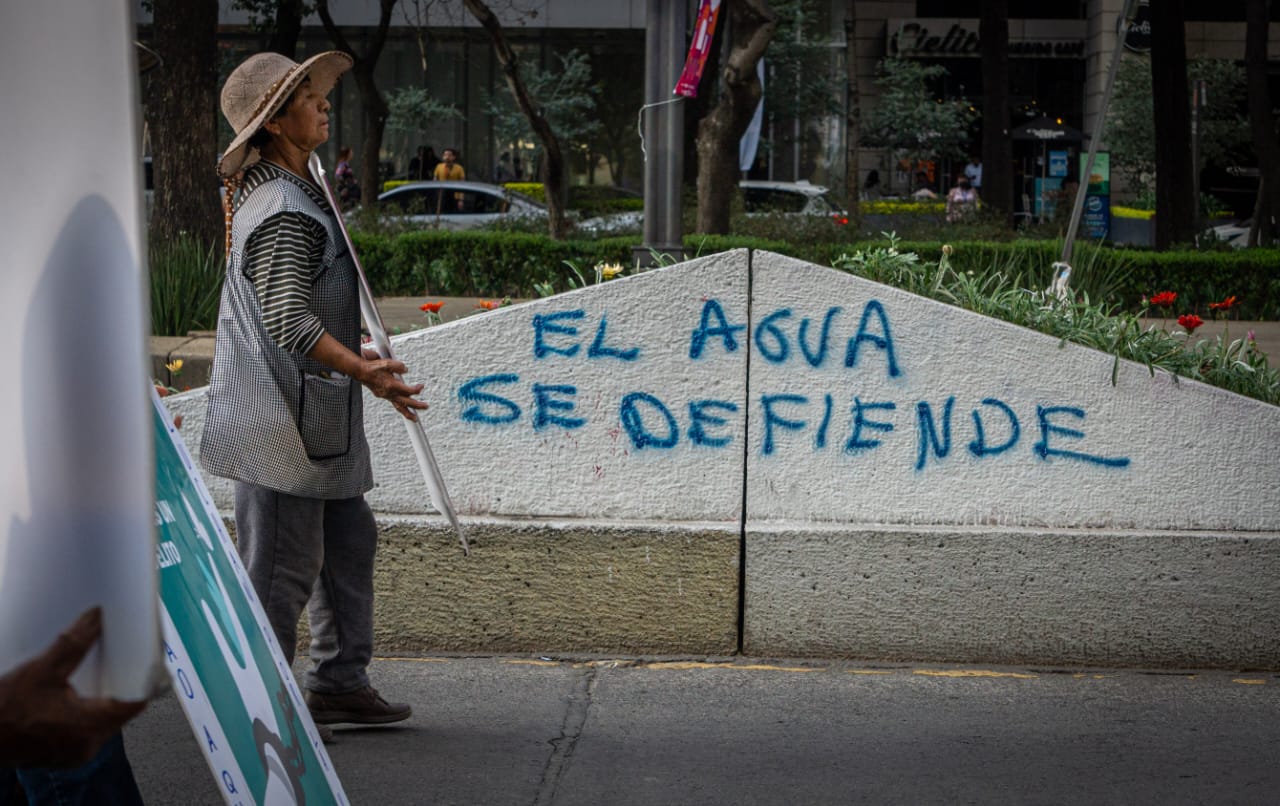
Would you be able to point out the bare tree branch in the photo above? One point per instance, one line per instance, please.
(554, 182)
(371, 100)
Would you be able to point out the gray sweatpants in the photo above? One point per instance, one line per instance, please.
(299, 549)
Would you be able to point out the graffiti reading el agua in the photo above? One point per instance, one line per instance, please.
(857, 423)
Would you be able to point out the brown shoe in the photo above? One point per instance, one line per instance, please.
(363, 706)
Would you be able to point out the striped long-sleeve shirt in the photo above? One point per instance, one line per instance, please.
(282, 257)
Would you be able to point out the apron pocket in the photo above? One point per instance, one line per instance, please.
(324, 416)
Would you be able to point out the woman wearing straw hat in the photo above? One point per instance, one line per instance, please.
(284, 417)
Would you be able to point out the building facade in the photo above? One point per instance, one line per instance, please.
(1060, 51)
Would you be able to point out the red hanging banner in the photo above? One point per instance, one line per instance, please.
(703, 31)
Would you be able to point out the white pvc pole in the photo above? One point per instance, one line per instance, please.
(373, 320)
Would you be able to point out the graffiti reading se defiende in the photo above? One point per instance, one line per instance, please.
(850, 423)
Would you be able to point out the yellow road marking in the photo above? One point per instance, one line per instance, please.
(752, 667)
(972, 673)
(1247, 681)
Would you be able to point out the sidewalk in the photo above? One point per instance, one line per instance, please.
(523, 730)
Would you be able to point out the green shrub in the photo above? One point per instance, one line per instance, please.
(1200, 278)
(186, 284)
(497, 264)
(1236, 364)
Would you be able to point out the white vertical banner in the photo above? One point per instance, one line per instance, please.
(76, 511)
(751, 137)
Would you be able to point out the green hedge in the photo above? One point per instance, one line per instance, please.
(485, 264)
(1125, 276)
(497, 264)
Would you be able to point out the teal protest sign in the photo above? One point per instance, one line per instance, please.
(239, 695)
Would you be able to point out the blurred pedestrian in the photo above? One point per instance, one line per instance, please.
(502, 172)
(962, 201)
(423, 164)
(871, 187)
(973, 172)
(449, 170)
(345, 178)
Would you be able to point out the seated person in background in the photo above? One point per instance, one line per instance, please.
(923, 191)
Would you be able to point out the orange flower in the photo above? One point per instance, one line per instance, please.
(431, 307)
(1164, 299)
(1190, 321)
(489, 304)
(1226, 305)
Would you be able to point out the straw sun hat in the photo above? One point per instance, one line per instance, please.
(258, 88)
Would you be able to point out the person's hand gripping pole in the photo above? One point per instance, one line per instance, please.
(382, 344)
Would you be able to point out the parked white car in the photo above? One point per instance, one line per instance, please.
(455, 205)
(763, 197)
(1235, 234)
(759, 197)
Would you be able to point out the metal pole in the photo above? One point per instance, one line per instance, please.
(672, 232)
(663, 130)
(1098, 123)
(1197, 104)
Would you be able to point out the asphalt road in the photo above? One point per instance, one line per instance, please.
(508, 730)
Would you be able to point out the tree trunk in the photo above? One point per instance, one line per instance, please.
(181, 104)
(1262, 123)
(1261, 212)
(751, 24)
(288, 27)
(371, 101)
(852, 116)
(997, 148)
(554, 175)
(1176, 205)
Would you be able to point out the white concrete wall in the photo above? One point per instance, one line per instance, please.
(1133, 524)
(1152, 452)
(521, 427)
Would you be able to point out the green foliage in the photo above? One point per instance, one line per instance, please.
(485, 264)
(589, 200)
(1145, 202)
(412, 110)
(1204, 277)
(262, 13)
(800, 83)
(563, 94)
(910, 119)
(1130, 129)
(497, 264)
(186, 283)
(996, 289)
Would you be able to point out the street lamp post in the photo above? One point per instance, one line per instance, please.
(663, 123)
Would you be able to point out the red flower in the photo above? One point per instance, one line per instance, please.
(489, 304)
(1226, 305)
(1164, 299)
(431, 307)
(1190, 321)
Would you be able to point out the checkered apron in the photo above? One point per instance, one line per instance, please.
(279, 419)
